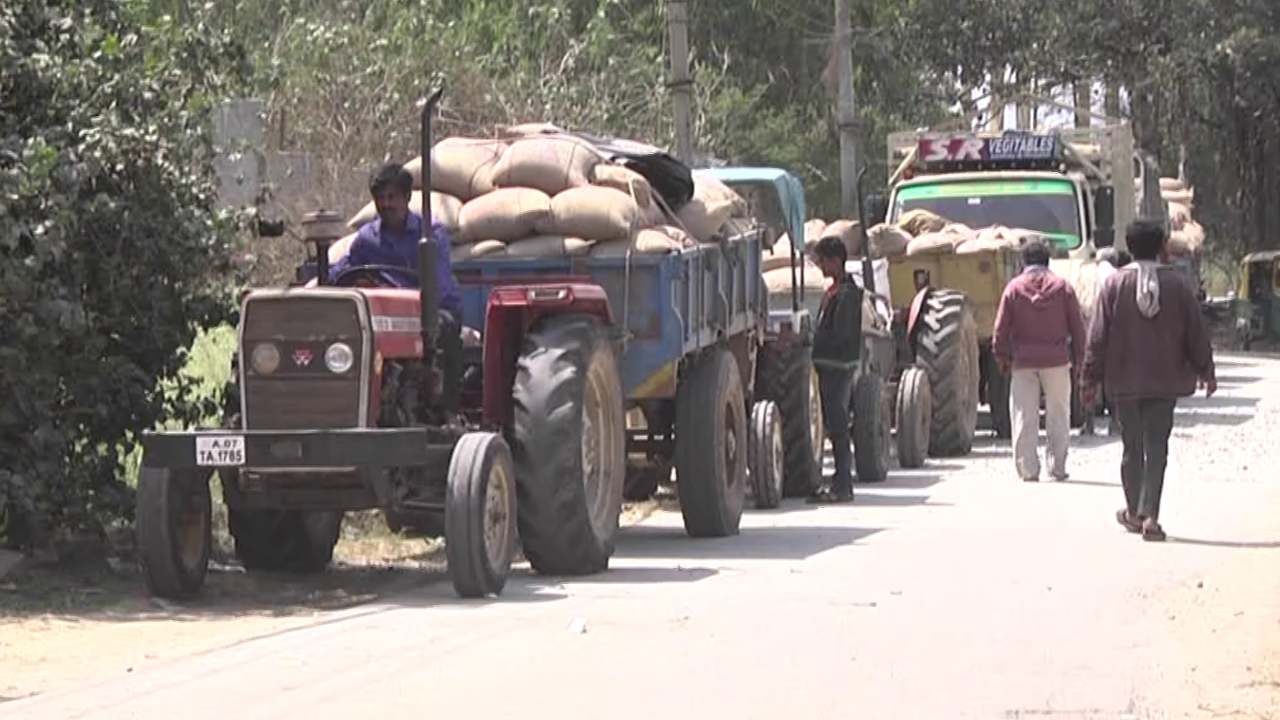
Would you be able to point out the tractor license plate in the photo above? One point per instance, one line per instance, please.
(220, 451)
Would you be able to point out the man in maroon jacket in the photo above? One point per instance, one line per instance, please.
(1039, 330)
(1147, 341)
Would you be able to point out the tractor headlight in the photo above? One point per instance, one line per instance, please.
(265, 359)
(339, 358)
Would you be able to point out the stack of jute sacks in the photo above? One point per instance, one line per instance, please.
(921, 232)
(1187, 236)
(536, 191)
(777, 261)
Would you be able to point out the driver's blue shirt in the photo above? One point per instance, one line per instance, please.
(375, 246)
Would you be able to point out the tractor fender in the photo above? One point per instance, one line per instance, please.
(913, 315)
(514, 310)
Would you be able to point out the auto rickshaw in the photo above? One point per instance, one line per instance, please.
(1258, 299)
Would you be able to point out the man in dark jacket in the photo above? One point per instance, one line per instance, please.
(837, 342)
(1038, 331)
(1147, 343)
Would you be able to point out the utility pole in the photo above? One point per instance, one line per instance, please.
(681, 83)
(1083, 102)
(1112, 102)
(846, 112)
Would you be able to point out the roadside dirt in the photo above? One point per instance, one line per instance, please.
(59, 626)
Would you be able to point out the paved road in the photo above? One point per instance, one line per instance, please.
(955, 591)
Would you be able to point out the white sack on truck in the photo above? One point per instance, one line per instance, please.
(1182, 197)
(506, 214)
(341, 248)
(886, 241)
(918, 222)
(550, 163)
(1179, 215)
(522, 130)
(462, 167)
(444, 210)
(813, 231)
(1167, 183)
(549, 246)
(935, 243)
(849, 233)
(711, 206)
(779, 280)
(624, 180)
(591, 212)
(648, 241)
(472, 251)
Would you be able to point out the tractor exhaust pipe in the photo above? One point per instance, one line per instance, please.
(427, 281)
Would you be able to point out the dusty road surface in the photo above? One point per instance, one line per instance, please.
(955, 591)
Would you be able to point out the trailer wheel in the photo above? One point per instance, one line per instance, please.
(947, 349)
(711, 446)
(871, 440)
(765, 464)
(569, 444)
(174, 517)
(480, 515)
(914, 413)
(785, 375)
(293, 541)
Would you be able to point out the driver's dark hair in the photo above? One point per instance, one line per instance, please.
(391, 176)
(831, 247)
(1036, 252)
(1145, 238)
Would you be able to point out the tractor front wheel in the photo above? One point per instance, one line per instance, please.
(174, 517)
(480, 515)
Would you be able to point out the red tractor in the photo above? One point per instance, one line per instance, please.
(339, 390)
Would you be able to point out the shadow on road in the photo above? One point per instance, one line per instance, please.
(624, 576)
(1237, 380)
(769, 543)
(1225, 543)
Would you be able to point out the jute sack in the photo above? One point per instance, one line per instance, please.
(474, 250)
(713, 188)
(680, 236)
(735, 226)
(774, 262)
(550, 163)
(779, 279)
(462, 167)
(648, 241)
(1179, 215)
(980, 245)
(813, 230)
(1185, 197)
(522, 130)
(341, 248)
(1172, 184)
(591, 212)
(849, 232)
(549, 246)
(506, 214)
(782, 248)
(444, 210)
(919, 222)
(624, 180)
(1195, 235)
(885, 241)
(934, 243)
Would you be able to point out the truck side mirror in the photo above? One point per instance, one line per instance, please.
(1104, 217)
(876, 207)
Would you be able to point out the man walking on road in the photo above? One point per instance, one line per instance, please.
(837, 342)
(1147, 341)
(1038, 331)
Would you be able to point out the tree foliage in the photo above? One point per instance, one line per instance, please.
(112, 255)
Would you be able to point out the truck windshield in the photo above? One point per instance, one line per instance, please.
(1045, 206)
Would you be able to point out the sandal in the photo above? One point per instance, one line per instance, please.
(827, 496)
(1152, 532)
(1128, 521)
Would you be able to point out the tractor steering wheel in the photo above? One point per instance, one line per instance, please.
(373, 276)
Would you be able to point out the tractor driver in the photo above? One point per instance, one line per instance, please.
(391, 240)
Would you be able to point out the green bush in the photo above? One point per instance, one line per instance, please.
(112, 252)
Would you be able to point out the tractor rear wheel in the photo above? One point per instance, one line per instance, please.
(480, 515)
(785, 375)
(174, 520)
(765, 465)
(569, 443)
(914, 414)
(711, 446)
(870, 435)
(947, 349)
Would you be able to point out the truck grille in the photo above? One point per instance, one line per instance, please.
(302, 393)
